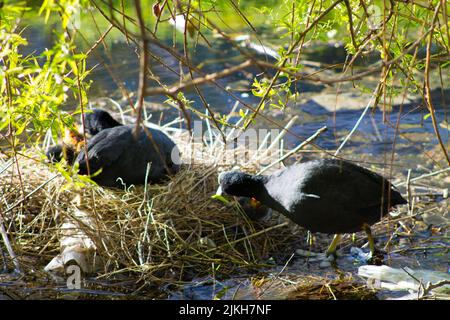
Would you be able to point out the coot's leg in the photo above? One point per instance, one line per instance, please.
(366, 228)
(332, 248)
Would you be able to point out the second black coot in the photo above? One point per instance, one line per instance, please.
(328, 195)
(123, 156)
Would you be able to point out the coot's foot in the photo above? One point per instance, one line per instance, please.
(325, 260)
(331, 255)
(329, 261)
(375, 258)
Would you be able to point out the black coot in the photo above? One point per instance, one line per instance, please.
(120, 154)
(329, 195)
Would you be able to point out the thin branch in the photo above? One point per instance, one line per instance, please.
(8, 246)
(427, 86)
(369, 104)
(142, 66)
(350, 20)
(423, 176)
(197, 81)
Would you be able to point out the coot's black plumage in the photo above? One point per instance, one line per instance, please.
(120, 154)
(328, 195)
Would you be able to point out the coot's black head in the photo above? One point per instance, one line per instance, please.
(241, 184)
(99, 120)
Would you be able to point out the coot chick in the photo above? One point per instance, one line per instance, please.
(328, 195)
(120, 154)
(94, 122)
(254, 209)
(98, 120)
(68, 149)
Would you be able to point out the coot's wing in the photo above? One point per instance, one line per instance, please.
(105, 148)
(385, 187)
(353, 187)
(338, 184)
(161, 147)
(369, 175)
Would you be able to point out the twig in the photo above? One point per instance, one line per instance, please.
(327, 285)
(100, 40)
(275, 140)
(250, 236)
(431, 286)
(283, 132)
(30, 194)
(197, 81)
(81, 103)
(369, 104)
(277, 276)
(8, 245)
(423, 176)
(285, 59)
(408, 191)
(143, 44)
(8, 164)
(191, 74)
(414, 278)
(350, 20)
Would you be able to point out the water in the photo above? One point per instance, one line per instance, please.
(422, 251)
(315, 107)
